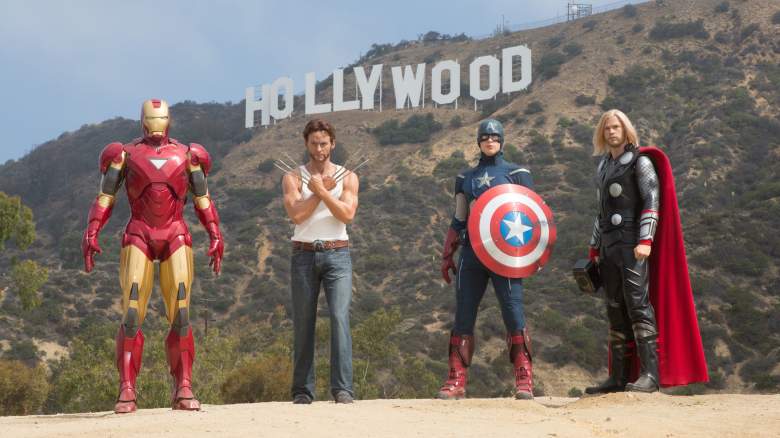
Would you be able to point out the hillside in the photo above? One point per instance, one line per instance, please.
(699, 79)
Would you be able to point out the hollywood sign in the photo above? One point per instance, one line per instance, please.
(408, 86)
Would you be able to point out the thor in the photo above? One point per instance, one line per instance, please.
(158, 172)
(638, 245)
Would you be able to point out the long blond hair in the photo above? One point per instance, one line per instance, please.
(600, 144)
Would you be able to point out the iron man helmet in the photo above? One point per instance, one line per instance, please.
(155, 118)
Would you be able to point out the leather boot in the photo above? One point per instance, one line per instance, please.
(648, 375)
(519, 346)
(619, 368)
(181, 355)
(460, 353)
(129, 351)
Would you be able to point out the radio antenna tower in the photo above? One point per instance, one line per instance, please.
(578, 10)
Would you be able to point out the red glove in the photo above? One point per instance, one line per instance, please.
(98, 216)
(209, 218)
(451, 244)
(593, 254)
(216, 248)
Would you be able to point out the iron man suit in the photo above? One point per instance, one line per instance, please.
(158, 172)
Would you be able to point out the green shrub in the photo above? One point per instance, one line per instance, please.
(549, 65)
(23, 389)
(630, 11)
(722, 7)
(267, 378)
(534, 108)
(451, 166)
(554, 41)
(266, 166)
(583, 100)
(664, 30)
(572, 49)
(416, 129)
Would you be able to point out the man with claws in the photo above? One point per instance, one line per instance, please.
(320, 198)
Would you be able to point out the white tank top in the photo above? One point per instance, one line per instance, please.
(321, 225)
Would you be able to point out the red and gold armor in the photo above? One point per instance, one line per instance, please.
(158, 173)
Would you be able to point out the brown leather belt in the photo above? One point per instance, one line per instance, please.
(320, 245)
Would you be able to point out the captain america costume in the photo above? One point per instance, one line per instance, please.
(472, 275)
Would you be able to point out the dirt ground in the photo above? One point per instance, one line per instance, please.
(613, 415)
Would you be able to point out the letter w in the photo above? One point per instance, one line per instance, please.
(408, 85)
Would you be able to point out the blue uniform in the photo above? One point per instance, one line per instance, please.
(472, 274)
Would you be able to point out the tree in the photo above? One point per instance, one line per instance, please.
(372, 344)
(28, 278)
(22, 389)
(16, 221)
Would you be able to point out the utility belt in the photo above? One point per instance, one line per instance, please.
(320, 245)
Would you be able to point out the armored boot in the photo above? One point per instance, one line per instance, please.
(619, 368)
(181, 355)
(519, 345)
(129, 351)
(648, 374)
(460, 353)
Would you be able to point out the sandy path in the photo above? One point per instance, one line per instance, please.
(652, 415)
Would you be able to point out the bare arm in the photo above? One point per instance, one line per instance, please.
(344, 207)
(298, 209)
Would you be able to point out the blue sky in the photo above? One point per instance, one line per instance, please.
(65, 64)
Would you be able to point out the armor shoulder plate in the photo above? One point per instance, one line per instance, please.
(199, 155)
(112, 152)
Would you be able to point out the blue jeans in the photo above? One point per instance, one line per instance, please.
(308, 270)
(470, 288)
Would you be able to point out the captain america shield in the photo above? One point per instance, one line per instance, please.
(511, 230)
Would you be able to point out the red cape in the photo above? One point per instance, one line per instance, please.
(680, 353)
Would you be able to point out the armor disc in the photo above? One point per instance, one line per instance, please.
(615, 189)
(511, 230)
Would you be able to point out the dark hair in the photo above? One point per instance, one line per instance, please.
(319, 125)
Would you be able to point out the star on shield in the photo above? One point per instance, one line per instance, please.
(516, 228)
(485, 179)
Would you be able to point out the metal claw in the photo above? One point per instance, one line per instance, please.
(343, 175)
(292, 172)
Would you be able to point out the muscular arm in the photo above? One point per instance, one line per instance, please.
(298, 209)
(345, 206)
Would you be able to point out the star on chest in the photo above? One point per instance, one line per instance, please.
(484, 180)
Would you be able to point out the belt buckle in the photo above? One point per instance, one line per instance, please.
(319, 245)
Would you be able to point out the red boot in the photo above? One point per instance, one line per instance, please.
(461, 351)
(519, 345)
(181, 354)
(128, 361)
